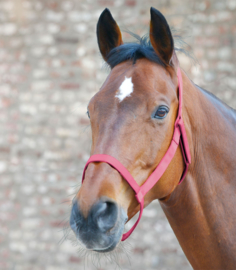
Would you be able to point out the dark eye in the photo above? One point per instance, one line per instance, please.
(88, 114)
(161, 112)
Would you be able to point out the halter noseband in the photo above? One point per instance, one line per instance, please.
(179, 137)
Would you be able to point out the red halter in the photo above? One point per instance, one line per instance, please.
(179, 137)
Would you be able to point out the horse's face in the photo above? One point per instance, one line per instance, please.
(132, 119)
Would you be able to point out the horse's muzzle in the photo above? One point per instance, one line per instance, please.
(102, 229)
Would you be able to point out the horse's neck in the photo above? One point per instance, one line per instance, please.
(202, 209)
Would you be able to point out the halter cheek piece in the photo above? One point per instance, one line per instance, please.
(179, 137)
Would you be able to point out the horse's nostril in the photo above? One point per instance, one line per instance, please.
(106, 214)
(101, 218)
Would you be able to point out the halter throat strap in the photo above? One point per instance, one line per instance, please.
(179, 138)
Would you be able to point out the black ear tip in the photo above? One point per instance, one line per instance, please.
(106, 14)
(152, 9)
(106, 10)
(154, 13)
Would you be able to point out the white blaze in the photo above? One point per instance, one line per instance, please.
(125, 89)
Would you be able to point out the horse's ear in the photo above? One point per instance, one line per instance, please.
(108, 33)
(160, 36)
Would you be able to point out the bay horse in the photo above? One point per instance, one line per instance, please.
(133, 120)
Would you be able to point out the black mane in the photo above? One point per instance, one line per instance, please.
(142, 48)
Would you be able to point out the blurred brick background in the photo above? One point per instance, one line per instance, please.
(50, 67)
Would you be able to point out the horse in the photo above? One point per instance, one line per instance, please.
(133, 118)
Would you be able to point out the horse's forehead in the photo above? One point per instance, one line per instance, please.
(139, 79)
(128, 83)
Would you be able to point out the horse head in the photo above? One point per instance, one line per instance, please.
(132, 119)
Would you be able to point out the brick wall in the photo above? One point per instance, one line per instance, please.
(49, 69)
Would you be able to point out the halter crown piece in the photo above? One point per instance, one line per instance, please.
(179, 137)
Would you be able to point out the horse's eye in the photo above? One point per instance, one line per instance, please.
(88, 114)
(161, 112)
